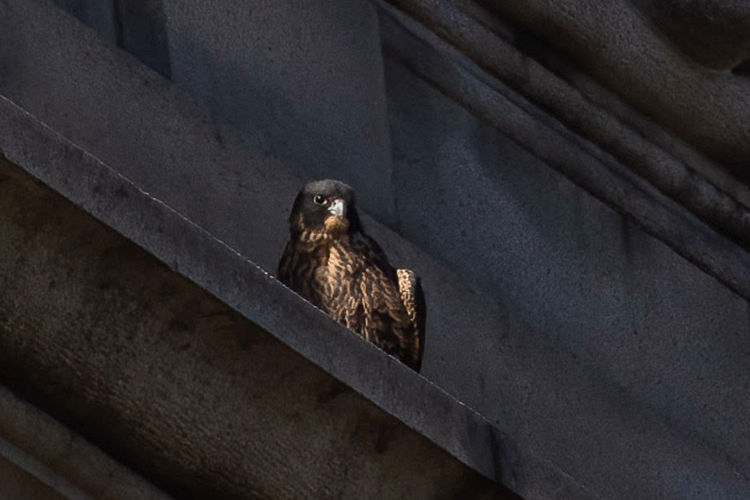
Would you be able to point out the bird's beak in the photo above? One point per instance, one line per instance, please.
(338, 208)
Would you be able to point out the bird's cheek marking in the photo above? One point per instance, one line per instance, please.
(335, 224)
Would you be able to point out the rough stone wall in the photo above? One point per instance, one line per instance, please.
(612, 356)
(302, 81)
(625, 343)
(177, 384)
(682, 63)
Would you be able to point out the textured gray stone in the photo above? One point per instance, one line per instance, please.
(143, 32)
(625, 343)
(613, 41)
(17, 484)
(502, 61)
(137, 26)
(305, 79)
(716, 34)
(192, 252)
(47, 460)
(560, 307)
(594, 170)
(98, 14)
(182, 387)
(112, 106)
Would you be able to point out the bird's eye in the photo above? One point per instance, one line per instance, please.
(319, 200)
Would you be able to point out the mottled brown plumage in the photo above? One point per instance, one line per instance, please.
(331, 262)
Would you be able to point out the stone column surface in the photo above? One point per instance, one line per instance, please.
(305, 77)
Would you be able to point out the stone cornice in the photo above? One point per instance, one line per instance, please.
(667, 188)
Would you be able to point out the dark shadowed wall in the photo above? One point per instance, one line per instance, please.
(575, 303)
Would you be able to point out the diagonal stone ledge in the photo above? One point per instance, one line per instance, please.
(631, 54)
(167, 143)
(549, 387)
(58, 463)
(600, 117)
(623, 169)
(146, 362)
(195, 394)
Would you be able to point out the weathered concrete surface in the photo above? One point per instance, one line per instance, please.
(613, 41)
(18, 484)
(305, 79)
(137, 26)
(142, 31)
(632, 362)
(605, 364)
(193, 253)
(148, 130)
(588, 166)
(43, 459)
(326, 115)
(182, 387)
(101, 15)
(505, 60)
(714, 33)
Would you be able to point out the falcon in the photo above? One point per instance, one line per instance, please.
(331, 262)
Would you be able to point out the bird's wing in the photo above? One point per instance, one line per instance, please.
(284, 271)
(413, 299)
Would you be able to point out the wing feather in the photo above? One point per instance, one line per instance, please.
(412, 297)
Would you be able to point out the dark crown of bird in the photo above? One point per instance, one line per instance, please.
(326, 207)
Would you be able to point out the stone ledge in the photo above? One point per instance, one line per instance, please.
(190, 392)
(551, 385)
(622, 44)
(623, 168)
(207, 177)
(67, 465)
(166, 389)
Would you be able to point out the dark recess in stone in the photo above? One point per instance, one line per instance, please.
(136, 26)
(141, 30)
(742, 69)
(96, 14)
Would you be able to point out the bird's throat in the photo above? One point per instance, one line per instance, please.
(336, 225)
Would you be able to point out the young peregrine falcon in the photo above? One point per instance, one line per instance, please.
(332, 263)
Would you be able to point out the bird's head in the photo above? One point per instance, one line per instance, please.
(325, 207)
